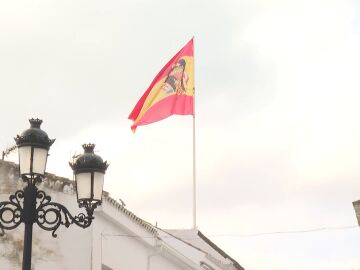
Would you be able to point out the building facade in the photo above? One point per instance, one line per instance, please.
(117, 239)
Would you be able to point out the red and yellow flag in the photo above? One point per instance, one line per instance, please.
(171, 91)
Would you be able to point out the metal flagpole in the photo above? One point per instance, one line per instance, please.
(194, 152)
(194, 176)
(101, 251)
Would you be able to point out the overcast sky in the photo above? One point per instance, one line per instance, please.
(277, 105)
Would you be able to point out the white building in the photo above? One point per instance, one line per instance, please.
(116, 240)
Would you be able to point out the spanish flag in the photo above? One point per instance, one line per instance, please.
(171, 91)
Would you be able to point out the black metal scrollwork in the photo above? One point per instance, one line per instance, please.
(11, 212)
(51, 215)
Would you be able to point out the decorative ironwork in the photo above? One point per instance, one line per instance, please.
(48, 215)
(51, 215)
(35, 179)
(11, 212)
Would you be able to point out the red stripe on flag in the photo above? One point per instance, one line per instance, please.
(174, 104)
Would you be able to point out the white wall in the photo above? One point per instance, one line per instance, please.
(127, 247)
(114, 239)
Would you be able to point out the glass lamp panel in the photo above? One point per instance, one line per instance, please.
(39, 160)
(83, 185)
(24, 159)
(98, 185)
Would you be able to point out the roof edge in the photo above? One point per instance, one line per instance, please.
(223, 253)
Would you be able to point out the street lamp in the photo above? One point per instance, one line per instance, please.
(31, 205)
(89, 170)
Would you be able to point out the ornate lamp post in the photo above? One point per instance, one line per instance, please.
(31, 205)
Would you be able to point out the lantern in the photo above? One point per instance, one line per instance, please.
(89, 170)
(33, 146)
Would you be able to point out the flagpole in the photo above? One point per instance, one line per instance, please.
(194, 151)
(194, 176)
